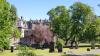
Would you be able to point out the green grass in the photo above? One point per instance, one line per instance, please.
(8, 53)
(45, 52)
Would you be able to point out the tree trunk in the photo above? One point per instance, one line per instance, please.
(72, 42)
(76, 45)
(93, 45)
(66, 41)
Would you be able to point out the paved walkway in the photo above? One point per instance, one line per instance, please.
(87, 53)
(95, 51)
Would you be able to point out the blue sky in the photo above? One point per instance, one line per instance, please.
(37, 9)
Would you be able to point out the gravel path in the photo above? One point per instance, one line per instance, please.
(87, 53)
(95, 51)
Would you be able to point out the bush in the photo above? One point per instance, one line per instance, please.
(60, 42)
(4, 45)
(4, 42)
(25, 51)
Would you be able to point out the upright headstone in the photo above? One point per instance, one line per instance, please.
(60, 48)
(12, 48)
(51, 47)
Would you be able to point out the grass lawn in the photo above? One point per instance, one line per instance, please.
(8, 53)
(45, 52)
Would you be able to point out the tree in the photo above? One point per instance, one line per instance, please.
(79, 12)
(97, 22)
(60, 21)
(90, 29)
(8, 18)
(15, 31)
(90, 35)
(42, 34)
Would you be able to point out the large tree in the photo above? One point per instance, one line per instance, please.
(41, 34)
(8, 18)
(79, 12)
(92, 31)
(60, 21)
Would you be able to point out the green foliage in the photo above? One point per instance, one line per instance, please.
(79, 13)
(8, 18)
(97, 22)
(4, 42)
(59, 21)
(16, 33)
(25, 51)
(90, 33)
(60, 42)
(73, 24)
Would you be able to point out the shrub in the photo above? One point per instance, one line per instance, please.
(60, 42)
(5, 44)
(25, 51)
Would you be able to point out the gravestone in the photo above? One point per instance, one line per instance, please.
(60, 48)
(51, 47)
(12, 48)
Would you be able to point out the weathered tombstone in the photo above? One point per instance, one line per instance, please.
(51, 47)
(12, 48)
(88, 49)
(60, 48)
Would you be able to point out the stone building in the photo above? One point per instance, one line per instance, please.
(20, 25)
(28, 29)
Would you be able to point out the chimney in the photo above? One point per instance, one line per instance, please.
(21, 17)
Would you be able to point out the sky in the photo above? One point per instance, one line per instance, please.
(37, 9)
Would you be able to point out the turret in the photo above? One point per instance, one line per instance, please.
(20, 22)
(20, 26)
